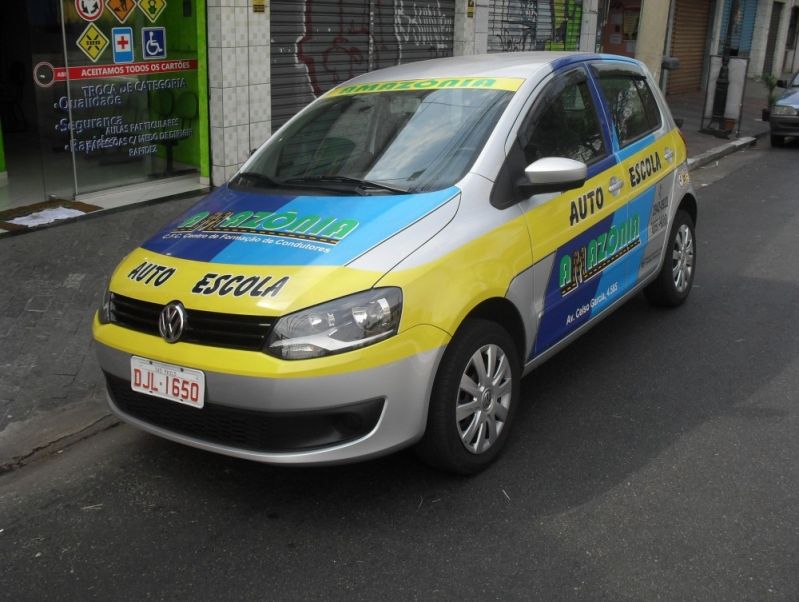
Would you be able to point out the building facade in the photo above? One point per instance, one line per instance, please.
(104, 95)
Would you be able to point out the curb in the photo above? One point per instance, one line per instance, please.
(61, 443)
(722, 151)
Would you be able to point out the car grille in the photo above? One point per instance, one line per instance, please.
(248, 429)
(202, 327)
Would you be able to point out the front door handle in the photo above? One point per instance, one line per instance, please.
(615, 185)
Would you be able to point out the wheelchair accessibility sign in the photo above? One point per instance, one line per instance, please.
(153, 42)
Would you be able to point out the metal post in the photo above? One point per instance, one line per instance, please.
(723, 80)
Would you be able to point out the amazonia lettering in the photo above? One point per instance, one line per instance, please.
(288, 223)
(587, 261)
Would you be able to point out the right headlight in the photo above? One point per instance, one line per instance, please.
(337, 326)
(784, 111)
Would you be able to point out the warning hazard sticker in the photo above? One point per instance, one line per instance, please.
(92, 42)
(121, 9)
(152, 9)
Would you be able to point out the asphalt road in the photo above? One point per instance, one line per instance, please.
(657, 457)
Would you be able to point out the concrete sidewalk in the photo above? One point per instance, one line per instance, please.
(51, 389)
(704, 148)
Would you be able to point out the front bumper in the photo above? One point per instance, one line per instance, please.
(784, 125)
(323, 419)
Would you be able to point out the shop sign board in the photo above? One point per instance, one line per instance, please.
(92, 42)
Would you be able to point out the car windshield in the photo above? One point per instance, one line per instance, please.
(379, 143)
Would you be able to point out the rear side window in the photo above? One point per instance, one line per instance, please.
(632, 105)
(564, 123)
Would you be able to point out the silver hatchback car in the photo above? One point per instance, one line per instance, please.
(386, 268)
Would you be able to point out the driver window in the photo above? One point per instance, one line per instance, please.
(564, 124)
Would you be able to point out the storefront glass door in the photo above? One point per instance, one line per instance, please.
(116, 93)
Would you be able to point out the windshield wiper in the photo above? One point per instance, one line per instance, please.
(255, 179)
(360, 185)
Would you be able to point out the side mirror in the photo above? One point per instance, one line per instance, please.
(781, 83)
(553, 174)
(670, 63)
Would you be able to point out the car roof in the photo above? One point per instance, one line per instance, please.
(505, 64)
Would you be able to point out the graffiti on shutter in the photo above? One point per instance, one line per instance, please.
(317, 44)
(515, 25)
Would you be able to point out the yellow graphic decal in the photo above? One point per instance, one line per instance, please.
(553, 223)
(503, 83)
(92, 42)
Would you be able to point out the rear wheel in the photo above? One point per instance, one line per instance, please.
(673, 283)
(474, 399)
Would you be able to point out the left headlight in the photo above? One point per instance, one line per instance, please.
(784, 110)
(337, 326)
(104, 313)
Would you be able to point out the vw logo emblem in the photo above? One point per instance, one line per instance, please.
(172, 321)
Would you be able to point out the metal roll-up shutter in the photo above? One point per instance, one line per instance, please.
(688, 44)
(317, 44)
(411, 30)
(515, 25)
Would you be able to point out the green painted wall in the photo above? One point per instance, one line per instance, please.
(2, 153)
(203, 132)
(184, 37)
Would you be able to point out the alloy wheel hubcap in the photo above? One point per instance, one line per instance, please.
(682, 258)
(484, 397)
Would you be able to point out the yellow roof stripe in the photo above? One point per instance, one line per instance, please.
(510, 84)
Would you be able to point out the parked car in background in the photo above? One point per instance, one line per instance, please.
(784, 116)
(383, 271)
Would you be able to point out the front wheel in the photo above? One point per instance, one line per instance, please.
(474, 399)
(673, 283)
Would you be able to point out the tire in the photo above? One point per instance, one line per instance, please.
(778, 141)
(486, 406)
(676, 277)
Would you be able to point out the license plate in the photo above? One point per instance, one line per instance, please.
(175, 383)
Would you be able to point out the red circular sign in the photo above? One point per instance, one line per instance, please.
(90, 10)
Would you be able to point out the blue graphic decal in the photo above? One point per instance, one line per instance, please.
(561, 314)
(593, 270)
(629, 151)
(244, 228)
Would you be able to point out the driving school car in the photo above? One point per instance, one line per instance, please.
(387, 266)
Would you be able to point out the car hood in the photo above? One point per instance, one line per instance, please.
(790, 98)
(242, 252)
